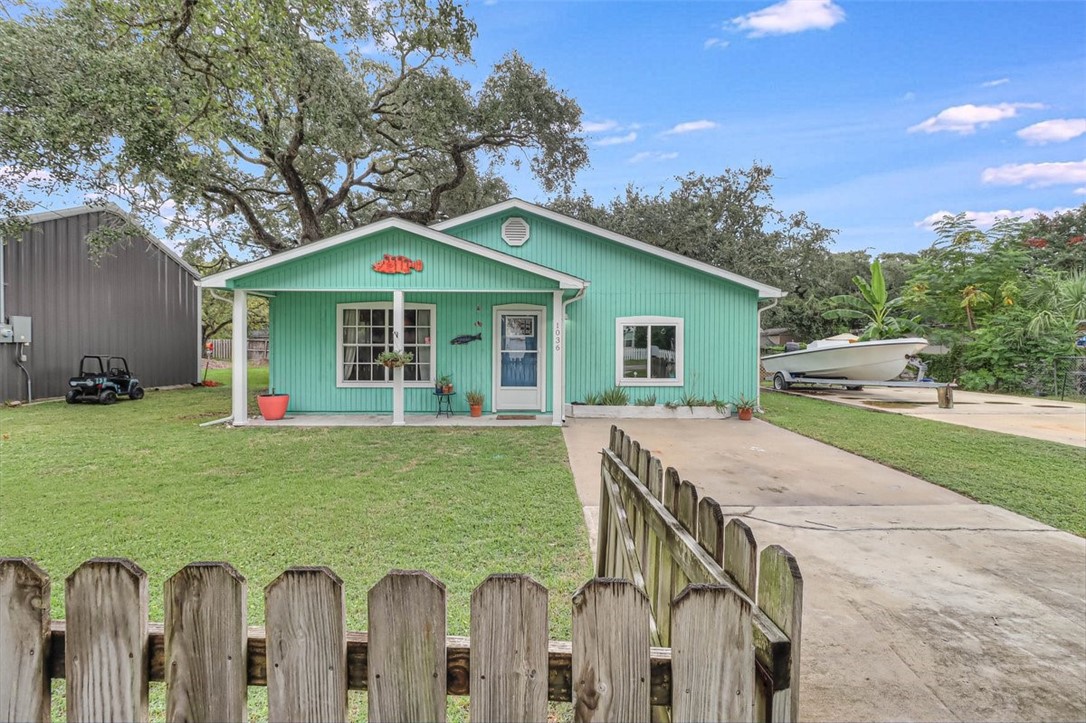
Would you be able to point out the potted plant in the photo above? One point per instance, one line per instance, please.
(272, 406)
(444, 382)
(745, 407)
(475, 401)
(393, 359)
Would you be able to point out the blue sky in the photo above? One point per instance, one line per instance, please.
(874, 115)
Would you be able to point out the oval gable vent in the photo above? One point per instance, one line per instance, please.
(515, 231)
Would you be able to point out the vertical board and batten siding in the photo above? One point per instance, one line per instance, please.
(720, 317)
(136, 302)
(303, 356)
(350, 266)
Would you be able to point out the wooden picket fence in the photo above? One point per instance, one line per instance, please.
(107, 651)
(656, 533)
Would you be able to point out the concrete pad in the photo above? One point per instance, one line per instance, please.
(1037, 417)
(918, 603)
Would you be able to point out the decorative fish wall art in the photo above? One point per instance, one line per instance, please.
(467, 338)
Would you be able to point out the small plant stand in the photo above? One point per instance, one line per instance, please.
(444, 403)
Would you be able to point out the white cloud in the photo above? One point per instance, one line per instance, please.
(790, 16)
(994, 83)
(909, 96)
(652, 156)
(718, 43)
(598, 126)
(1053, 131)
(1036, 175)
(964, 119)
(9, 175)
(617, 140)
(690, 127)
(1080, 191)
(986, 219)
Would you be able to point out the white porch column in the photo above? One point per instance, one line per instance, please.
(397, 345)
(558, 314)
(239, 358)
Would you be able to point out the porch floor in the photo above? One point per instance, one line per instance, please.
(412, 420)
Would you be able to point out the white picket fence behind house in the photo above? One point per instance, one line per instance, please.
(222, 349)
(107, 651)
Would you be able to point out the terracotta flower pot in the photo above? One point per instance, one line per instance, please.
(447, 389)
(273, 406)
(476, 410)
(746, 414)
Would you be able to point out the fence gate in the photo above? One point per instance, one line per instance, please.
(656, 533)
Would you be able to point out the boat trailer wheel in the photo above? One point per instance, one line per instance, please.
(780, 383)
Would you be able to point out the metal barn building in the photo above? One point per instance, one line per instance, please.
(139, 301)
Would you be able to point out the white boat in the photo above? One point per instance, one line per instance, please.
(843, 357)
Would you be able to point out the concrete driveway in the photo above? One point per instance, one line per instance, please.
(1041, 418)
(918, 603)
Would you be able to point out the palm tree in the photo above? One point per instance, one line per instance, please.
(1061, 303)
(973, 296)
(873, 306)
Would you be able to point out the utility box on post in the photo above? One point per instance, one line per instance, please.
(20, 327)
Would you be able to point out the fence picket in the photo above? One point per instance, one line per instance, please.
(780, 596)
(712, 656)
(407, 648)
(306, 624)
(205, 634)
(24, 641)
(105, 642)
(741, 556)
(711, 528)
(610, 652)
(509, 650)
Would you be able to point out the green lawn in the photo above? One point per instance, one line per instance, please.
(142, 480)
(1042, 480)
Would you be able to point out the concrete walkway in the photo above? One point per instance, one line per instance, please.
(1036, 417)
(918, 603)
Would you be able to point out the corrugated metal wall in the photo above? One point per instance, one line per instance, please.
(135, 302)
(720, 317)
(303, 351)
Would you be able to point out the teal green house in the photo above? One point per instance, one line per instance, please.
(531, 308)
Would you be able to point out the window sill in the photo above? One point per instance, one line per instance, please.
(649, 383)
(382, 385)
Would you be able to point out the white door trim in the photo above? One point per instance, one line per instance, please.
(543, 347)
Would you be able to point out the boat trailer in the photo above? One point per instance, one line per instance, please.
(783, 381)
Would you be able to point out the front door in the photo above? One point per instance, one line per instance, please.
(519, 366)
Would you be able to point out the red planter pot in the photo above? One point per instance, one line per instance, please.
(476, 410)
(273, 406)
(746, 414)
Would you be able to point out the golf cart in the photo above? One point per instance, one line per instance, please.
(102, 379)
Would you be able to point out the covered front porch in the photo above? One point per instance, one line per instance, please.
(410, 420)
(493, 322)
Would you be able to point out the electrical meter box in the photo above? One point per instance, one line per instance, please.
(20, 327)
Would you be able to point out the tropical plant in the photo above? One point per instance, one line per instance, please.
(1060, 304)
(972, 297)
(615, 397)
(649, 401)
(873, 307)
(475, 398)
(742, 402)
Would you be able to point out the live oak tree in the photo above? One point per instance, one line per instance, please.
(261, 126)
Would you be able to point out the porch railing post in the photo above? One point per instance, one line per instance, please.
(558, 345)
(239, 359)
(397, 345)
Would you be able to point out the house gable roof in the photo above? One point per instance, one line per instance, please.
(221, 279)
(765, 291)
(110, 208)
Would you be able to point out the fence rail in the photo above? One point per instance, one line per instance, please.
(222, 349)
(108, 651)
(656, 533)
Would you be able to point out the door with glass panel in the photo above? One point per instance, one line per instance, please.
(518, 363)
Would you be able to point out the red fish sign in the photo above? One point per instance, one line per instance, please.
(397, 265)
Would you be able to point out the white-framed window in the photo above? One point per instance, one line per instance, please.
(649, 351)
(364, 330)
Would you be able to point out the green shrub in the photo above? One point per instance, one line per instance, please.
(649, 401)
(615, 397)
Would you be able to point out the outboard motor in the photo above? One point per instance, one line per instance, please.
(791, 346)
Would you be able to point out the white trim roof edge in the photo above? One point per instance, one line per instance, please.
(765, 291)
(565, 281)
(116, 211)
